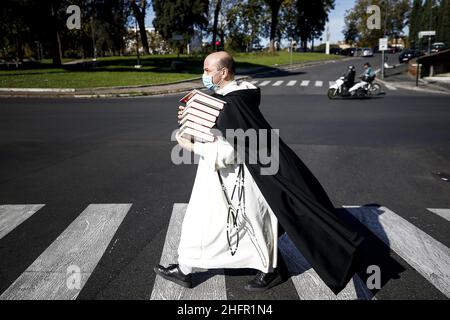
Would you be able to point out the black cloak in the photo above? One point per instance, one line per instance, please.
(296, 197)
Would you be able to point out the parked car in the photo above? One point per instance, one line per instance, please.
(335, 51)
(348, 52)
(438, 46)
(367, 52)
(408, 54)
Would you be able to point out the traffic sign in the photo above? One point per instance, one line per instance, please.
(383, 44)
(426, 33)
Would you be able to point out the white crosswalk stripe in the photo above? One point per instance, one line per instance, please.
(307, 282)
(62, 270)
(304, 83)
(428, 256)
(213, 288)
(291, 83)
(332, 83)
(264, 83)
(13, 215)
(444, 213)
(254, 82)
(277, 83)
(318, 83)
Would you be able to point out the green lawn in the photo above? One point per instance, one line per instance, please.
(120, 71)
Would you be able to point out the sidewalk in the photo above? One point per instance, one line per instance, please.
(398, 78)
(131, 91)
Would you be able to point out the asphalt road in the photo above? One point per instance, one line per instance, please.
(69, 153)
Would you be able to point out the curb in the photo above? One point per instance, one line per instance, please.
(411, 88)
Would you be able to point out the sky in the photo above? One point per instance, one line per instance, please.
(336, 19)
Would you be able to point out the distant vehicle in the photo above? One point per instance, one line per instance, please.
(335, 51)
(348, 52)
(367, 52)
(438, 46)
(408, 54)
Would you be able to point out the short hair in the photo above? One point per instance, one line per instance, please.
(367, 64)
(227, 62)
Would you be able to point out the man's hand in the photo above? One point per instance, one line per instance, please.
(184, 143)
(180, 111)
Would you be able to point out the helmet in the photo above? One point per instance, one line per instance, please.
(351, 68)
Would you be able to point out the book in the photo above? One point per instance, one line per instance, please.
(196, 119)
(200, 114)
(204, 98)
(191, 133)
(202, 107)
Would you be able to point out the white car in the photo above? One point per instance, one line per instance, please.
(367, 52)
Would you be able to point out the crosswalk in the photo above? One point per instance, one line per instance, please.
(65, 266)
(300, 83)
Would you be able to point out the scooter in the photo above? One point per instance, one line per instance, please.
(366, 87)
(362, 89)
(338, 89)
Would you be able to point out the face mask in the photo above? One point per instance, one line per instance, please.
(208, 81)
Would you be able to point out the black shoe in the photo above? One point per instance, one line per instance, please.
(174, 274)
(264, 281)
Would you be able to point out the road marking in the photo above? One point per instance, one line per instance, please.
(211, 289)
(319, 83)
(254, 82)
(425, 254)
(304, 83)
(332, 83)
(264, 83)
(62, 270)
(390, 87)
(11, 215)
(291, 83)
(307, 282)
(444, 213)
(277, 83)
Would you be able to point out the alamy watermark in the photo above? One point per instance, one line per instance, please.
(256, 146)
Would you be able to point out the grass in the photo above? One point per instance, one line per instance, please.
(120, 71)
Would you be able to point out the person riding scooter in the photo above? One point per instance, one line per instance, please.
(349, 77)
(367, 77)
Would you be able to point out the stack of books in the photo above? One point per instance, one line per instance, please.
(199, 116)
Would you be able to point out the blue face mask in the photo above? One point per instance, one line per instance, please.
(208, 81)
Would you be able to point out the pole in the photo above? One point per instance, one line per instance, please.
(292, 47)
(431, 18)
(382, 64)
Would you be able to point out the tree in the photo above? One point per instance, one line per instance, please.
(414, 22)
(350, 31)
(245, 23)
(216, 18)
(139, 10)
(180, 17)
(311, 18)
(395, 20)
(443, 30)
(274, 6)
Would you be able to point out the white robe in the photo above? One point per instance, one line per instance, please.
(204, 242)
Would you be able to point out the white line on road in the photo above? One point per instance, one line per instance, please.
(264, 83)
(304, 83)
(425, 254)
(390, 87)
(307, 282)
(211, 289)
(444, 213)
(277, 83)
(254, 82)
(11, 215)
(291, 83)
(62, 270)
(319, 83)
(332, 83)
